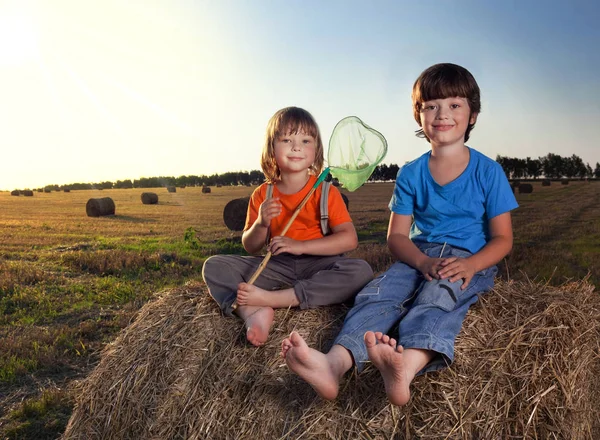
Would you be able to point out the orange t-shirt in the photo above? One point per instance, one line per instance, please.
(307, 225)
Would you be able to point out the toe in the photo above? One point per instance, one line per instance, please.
(370, 340)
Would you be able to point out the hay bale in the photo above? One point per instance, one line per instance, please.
(346, 201)
(171, 189)
(234, 213)
(149, 198)
(15, 192)
(219, 185)
(67, 190)
(525, 188)
(27, 193)
(526, 367)
(47, 190)
(206, 190)
(564, 182)
(100, 207)
(546, 182)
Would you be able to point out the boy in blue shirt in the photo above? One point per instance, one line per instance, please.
(460, 201)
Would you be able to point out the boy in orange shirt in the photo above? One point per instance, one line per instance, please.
(307, 268)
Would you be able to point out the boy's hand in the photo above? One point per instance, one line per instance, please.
(268, 210)
(281, 244)
(457, 268)
(429, 268)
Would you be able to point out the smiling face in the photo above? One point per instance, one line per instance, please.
(445, 121)
(294, 152)
(438, 84)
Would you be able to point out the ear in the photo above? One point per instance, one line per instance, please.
(473, 118)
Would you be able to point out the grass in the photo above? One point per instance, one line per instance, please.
(70, 283)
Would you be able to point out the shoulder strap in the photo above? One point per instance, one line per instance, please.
(268, 196)
(324, 207)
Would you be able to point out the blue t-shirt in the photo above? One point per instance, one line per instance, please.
(458, 212)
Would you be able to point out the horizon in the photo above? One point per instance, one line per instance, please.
(111, 91)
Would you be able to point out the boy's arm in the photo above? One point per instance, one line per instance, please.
(254, 238)
(497, 248)
(342, 239)
(403, 249)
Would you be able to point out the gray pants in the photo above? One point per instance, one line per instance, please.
(316, 280)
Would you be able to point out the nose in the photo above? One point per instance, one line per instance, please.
(442, 113)
(296, 146)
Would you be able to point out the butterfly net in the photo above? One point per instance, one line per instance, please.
(355, 149)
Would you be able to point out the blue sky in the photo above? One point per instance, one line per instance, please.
(93, 91)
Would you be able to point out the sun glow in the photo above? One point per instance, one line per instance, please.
(18, 39)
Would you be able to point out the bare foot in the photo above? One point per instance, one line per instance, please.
(250, 295)
(311, 365)
(389, 360)
(258, 323)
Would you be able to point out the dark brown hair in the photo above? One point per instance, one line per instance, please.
(290, 120)
(445, 80)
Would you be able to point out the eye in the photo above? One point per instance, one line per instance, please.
(427, 107)
(454, 106)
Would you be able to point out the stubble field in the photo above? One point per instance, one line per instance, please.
(69, 283)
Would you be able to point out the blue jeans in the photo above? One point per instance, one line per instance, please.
(429, 314)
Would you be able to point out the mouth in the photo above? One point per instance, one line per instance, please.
(295, 159)
(443, 127)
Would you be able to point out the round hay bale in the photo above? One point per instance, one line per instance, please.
(40, 190)
(100, 207)
(206, 190)
(546, 182)
(67, 190)
(564, 182)
(234, 213)
(27, 193)
(47, 190)
(346, 201)
(219, 185)
(149, 198)
(171, 189)
(15, 192)
(526, 366)
(525, 188)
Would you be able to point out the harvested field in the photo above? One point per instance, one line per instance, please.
(71, 284)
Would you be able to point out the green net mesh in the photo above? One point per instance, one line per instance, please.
(355, 149)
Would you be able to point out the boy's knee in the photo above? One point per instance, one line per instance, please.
(440, 293)
(211, 266)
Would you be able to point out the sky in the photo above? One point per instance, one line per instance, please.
(110, 90)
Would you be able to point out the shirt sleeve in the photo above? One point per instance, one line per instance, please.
(403, 198)
(500, 197)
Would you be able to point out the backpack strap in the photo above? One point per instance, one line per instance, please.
(324, 207)
(267, 197)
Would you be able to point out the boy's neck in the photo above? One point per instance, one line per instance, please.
(293, 182)
(450, 153)
(447, 163)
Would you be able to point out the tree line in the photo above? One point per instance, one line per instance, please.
(551, 166)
